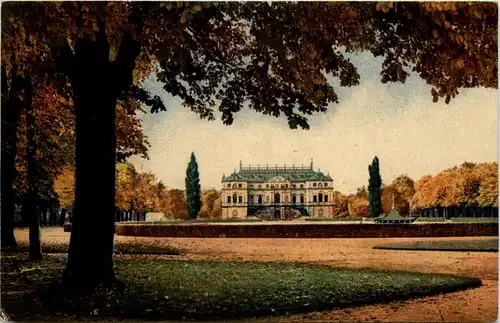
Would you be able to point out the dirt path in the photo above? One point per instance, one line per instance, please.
(476, 305)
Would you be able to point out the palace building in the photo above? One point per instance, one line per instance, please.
(277, 193)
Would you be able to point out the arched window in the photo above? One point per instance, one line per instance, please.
(251, 199)
(320, 212)
(229, 199)
(259, 186)
(229, 185)
(260, 199)
(294, 199)
(315, 198)
(234, 185)
(235, 213)
(326, 197)
(302, 199)
(320, 197)
(320, 185)
(240, 199)
(282, 185)
(234, 198)
(276, 198)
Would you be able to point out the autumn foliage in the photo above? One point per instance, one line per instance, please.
(469, 185)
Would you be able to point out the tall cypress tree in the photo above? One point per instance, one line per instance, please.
(374, 189)
(193, 196)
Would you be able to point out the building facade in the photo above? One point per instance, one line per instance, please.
(277, 193)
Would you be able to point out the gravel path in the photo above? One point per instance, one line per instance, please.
(476, 305)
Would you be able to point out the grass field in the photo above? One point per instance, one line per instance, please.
(489, 245)
(171, 289)
(460, 220)
(334, 219)
(120, 248)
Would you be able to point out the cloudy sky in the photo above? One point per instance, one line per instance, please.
(396, 122)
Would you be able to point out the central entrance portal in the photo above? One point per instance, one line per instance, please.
(277, 214)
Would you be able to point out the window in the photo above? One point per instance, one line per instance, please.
(267, 199)
(293, 185)
(315, 198)
(234, 198)
(260, 199)
(320, 185)
(229, 199)
(326, 198)
(251, 198)
(240, 199)
(276, 198)
(320, 197)
(286, 185)
(239, 185)
(302, 199)
(272, 186)
(294, 199)
(301, 185)
(235, 213)
(229, 185)
(282, 186)
(251, 186)
(259, 186)
(286, 199)
(320, 212)
(234, 185)
(326, 185)
(267, 185)
(314, 184)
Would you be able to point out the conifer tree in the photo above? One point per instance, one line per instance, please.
(374, 189)
(193, 195)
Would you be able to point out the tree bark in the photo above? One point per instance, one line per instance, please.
(96, 84)
(32, 199)
(10, 113)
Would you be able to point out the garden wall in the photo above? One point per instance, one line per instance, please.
(310, 230)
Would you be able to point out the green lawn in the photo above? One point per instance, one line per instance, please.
(460, 220)
(489, 245)
(207, 290)
(120, 248)
(476, 220)
(334, 219)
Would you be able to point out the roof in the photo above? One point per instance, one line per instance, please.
(289, 173)
(393, 215)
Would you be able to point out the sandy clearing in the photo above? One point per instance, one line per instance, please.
(476, 305)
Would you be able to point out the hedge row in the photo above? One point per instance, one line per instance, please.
(310, 230)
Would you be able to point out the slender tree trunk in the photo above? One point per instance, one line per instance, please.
(32, 200)
(96, 84)
(10, 113)
(62, 217)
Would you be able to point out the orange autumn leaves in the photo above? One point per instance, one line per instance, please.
(144, 192)
(468, 185)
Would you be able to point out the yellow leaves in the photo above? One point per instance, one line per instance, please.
(458, 63)
(385, 6)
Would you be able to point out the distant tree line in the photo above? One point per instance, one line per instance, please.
(466, 190)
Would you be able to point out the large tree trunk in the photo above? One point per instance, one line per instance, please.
(32, 199)
(10, 113)
(96, 83)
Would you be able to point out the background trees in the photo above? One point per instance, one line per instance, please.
(469, 185)
(193, 194)
(374, 189)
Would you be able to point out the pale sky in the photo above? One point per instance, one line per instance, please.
(396, 122)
